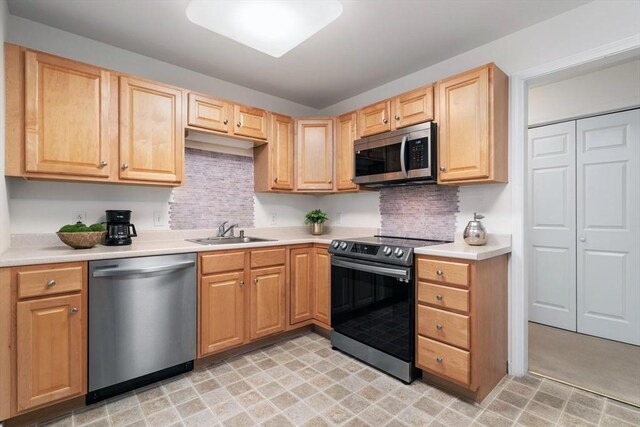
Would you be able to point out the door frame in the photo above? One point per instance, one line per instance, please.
(518, 127)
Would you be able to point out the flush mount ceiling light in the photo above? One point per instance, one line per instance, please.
(272, 27)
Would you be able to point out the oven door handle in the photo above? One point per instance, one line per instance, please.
(403, 146)
(385, 271)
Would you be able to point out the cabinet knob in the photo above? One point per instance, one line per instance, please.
(385, 121)
(241, 283)
(439, 272)
(439, 326)
(443, 169)
(275, 179)
(351, 179)
(51, 283)
(103, 163)
(439, 297)
(225, 121)
(397, 117)
(125, 166)
(238, 124)
(583, 239)
(439, 359)
(330, 181)
(255, 281)
(74, 310)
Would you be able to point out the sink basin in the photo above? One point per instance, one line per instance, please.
(228, 240)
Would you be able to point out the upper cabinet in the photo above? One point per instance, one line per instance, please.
(66, 116)
(374, 119)
(314, 154)
(345, 135)
(151, 133)
(273, 162)
(412, 107)
(473, 140)
(209, 113)
(250, 122)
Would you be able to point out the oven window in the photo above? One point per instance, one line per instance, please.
(378, 160)
(373, 309)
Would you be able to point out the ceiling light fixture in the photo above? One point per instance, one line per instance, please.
(272, 27)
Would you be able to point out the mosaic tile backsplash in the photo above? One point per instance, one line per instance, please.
(217, 187)
(423, 211)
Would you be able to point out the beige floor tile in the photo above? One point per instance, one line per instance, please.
(371, 393)
(375, 416)
(567, 420)
(491, 419)
(414, 417)
(452, 418)
(153, 406)
(183, 395)
(216, 397)
(226, 410)
(151, 392)
(278, 421)
(191, 407)
(168, 417)
(120, 403)
(89, 414)
(241, 420)
(626, 413)
(123, 418)
(198, 375)
(355, 403)
(583, 412)
(319, 402)
(201, 419)
(316, 421)
(262, 411)
(506, 410)
(249, 398)
(588, 399)
(238, 388)
(549, 400)
(543, 411)
(290, 381)
(271, 389)
(337, 414)
(520, 389)
(468, 409)
(284, 400)
(299, 413)
(102, 422)
(429, 406)
(527, 419)
(175, 384)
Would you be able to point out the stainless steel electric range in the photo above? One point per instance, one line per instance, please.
(373, 301)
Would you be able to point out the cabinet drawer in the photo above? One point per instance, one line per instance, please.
(443, 296)
(444, 360)
(268, 257)
(222, 262)
(445, 326)
(454, 273)
(50, 280)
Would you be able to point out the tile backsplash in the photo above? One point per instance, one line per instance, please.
(423, 211)
(217, 187)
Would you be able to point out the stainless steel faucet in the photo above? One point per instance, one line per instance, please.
(222, 231)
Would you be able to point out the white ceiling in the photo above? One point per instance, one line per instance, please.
(371, 43)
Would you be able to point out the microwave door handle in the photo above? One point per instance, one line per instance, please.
(403, 147)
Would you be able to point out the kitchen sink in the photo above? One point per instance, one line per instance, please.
(228, 240)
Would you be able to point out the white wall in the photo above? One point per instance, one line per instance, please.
(353, 210)
(4, 197)
(608, 89)
(595, 24)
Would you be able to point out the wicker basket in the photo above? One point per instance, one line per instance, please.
(82, 240)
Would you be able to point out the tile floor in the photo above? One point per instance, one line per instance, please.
(303, 382)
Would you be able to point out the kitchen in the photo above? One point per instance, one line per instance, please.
(370, 209)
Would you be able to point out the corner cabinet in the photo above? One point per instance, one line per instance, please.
(151, 132)
(322, 286)
(461, 323)
(345, 165)
(274, 162)
(473, 127)
(314, 154)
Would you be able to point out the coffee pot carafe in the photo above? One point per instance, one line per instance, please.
(119, 229)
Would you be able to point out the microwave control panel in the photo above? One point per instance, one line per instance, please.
(418, 153)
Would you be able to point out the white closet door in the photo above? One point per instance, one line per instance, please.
(608, 224)
(552, 227)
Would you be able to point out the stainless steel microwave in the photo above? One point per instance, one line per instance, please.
(402, 157)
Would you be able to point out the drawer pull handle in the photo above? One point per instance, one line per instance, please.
(439, 297)
(239, 124)
(439, 272)
(439, 359)
(439, 326)
(385, 121)
(51, 283)
(225, 121)
(74, 310)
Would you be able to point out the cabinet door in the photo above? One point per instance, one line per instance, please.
(208, 113)
(66, 117)
(301, 305)
(322, 286)
(314, 141)
(250, 122)
(51, 350)
(222, 312)
(267, 301)
(413, 107)
(345, 154)
(464, 126)
(151, 131)
(374, 119)
(282, 153)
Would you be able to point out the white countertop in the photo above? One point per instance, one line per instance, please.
(47, 248)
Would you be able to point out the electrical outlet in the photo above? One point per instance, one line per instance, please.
(274, 218)
(338, 217)
(79, 217)
(158, 218)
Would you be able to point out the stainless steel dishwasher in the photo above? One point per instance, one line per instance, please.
(142, 321)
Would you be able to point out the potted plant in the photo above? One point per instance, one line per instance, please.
(81, 236)
(316, 218)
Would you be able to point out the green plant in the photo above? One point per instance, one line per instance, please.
(80, 227)
(315, 217)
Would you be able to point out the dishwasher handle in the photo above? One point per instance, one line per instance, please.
(119, 272)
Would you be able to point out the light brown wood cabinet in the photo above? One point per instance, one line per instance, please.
(250, 122)
(322, 286)
(412, 107)
(302, 289)
(151, 131)
(44, 335)
(77, 122)
(209, 113)
(314, 154)
(267, 301)
(374, 119)
(345, 164)
(461, 323)
(473, 127)
(274, 162)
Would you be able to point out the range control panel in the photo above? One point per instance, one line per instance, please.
(381, 253)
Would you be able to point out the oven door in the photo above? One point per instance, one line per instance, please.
(373, 303)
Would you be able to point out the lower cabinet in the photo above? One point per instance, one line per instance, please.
(267, 301)
(311, 286)
(322, 286)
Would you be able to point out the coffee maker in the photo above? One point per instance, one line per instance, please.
(119, 229)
